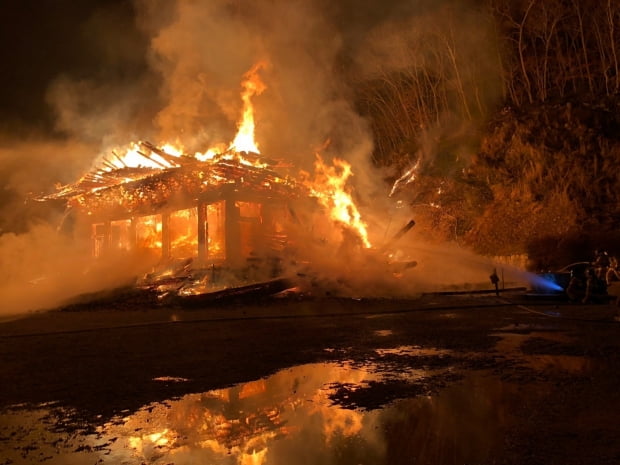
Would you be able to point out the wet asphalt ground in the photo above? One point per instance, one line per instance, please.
(560, 360)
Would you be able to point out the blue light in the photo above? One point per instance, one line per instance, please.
(541, 282)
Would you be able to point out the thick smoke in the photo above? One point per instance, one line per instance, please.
(203, 52)
(172, 73)
(43, 269)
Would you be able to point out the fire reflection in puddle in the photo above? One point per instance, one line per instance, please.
(170, 379)
(412, 351)
(532, 349)
(384, 332)
(285, 418)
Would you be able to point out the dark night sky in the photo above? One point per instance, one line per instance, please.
(43, 39)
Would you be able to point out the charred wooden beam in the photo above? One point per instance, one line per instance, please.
(158, 163)
(165, 236)
(401, 232)
(172, 159)
(107, 164)
(203, 233)
(232, 233)
(247, 293)
(119, 159)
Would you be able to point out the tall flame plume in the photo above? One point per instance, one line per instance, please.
(244, 141)
(252, 85)
(330, 188)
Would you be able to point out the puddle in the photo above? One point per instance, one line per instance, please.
(384, 332)
(413, 351)
(538, 358)
(449, 316)
(171, 379)
(290, 417)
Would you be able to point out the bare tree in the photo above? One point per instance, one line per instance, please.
(526, 79)
(584, 46)
(612, 12)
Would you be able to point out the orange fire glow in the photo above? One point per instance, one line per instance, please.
(136, 155)
(157, 439)
(330, 189)
(137, 160)
(149, 232)
(255, 458)
(252, 85)
(183, 232)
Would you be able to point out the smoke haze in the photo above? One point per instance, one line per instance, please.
(171, 71)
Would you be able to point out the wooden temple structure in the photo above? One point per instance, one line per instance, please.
(221, 211)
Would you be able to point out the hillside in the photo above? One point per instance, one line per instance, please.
(514, 148)
(553, 170)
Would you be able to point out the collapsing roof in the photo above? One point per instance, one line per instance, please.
(114, 192)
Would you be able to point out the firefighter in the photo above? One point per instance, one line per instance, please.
(575, 288)
(591, 285)
(601, 263)
(495, 281)
(586, 287)
(596, 289)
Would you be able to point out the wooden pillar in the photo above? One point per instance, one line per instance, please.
(100, 238)
(232, 233)
(165, 236)
(93, 240)
(107, 237)
(133, 235)
(203, 233)
(267, 229)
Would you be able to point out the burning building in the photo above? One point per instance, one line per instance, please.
(217, 214)
(222, 210)
(225, 209)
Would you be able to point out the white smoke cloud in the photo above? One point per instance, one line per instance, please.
(42, 269)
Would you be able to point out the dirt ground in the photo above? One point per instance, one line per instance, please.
(101, 359)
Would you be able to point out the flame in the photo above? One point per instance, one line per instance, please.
(172, 150)
(135, 155)
(139, 155)
(214, 155)
(149, 232)
(183, 232)
(329, 187)
(252, 85)
(255, 458)
(210, 154)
